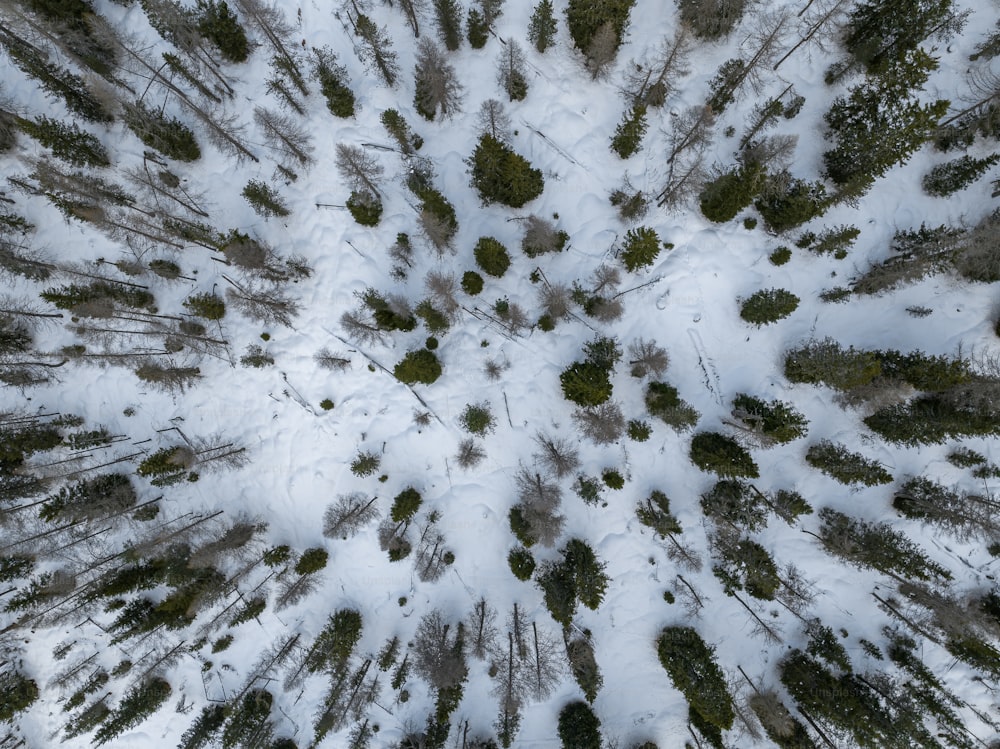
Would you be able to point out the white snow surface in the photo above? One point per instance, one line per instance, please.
(299, 455)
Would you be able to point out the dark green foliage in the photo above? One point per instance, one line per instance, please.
(94, 682)
(655, 513)
(787, 202)
(934, 418)
(579, 728)
(878, 546)
(167, 465)
(99, 293)
(61, 82)
(579, 576)
(588, 489)
(628, 134)
(476, 28)
(447, 13)
(434, 319)
(365, 464)
(631, 204)
(312, 560)
(965, 457)
(168, 135)
(90, 498)
(520, 527)
(365, 207)
(88, 719)
(248, 723)
(823, 643)
(722, 88)
(521, 562)
(639, 431)
(722, 455)
(827, 362)
(879, 124)
(418, 366)
(405, 505)
(264, 199)
(408, 141)
(768, 305)
(472, 282)
(924, 372)
(333, 83)
(585, 18)
(746, 565)
(206, 305)
(776, 420)
(18, 694)
(613, 479)
(836, 461)
(204, 728)
(542, 26)
(137, 705)
(477, 419)
(336, 642)
(253, 608)
(712, 19)
(640, 249)
(491, 257)
(16, 566)
(277, 556)
(218, 24)
(736, 503)
(222, 644)
(436, 209)
(256, 357)
(691, 665)
(583, 664)
(731, 192)
(834, 241)
(17, 444)
(67, 142)
(881, 33)
(585, 383)
(602, 352)
(955, 175)
(503, 176)
(387, 316)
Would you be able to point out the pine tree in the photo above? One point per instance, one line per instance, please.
(768, 306)
(690, 663)
(333, 82)
(18, 694)
(377, 51)
(542, 26)
(447, 13)
(436, 85)
(586, 17)
(418, 366)
(881, 33)
(845, 466)
(722, 455)
(248, 723)
(168, 135)
(579, 728)
(641, 247)
(264, 199)
(137, 705)
(511, 71)
(955, 175)
(503, 176)
(728, 194)
(204, 728)
(476, 29)
(67, 142)
(628, 135)
(219, 25)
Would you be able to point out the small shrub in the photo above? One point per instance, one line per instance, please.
(613, 479)
(326, 404)
(780, 256)
(722, 455)
(637, 430)
(256, 357)
(492, 257)
(418, 366)
(222, 643)
(365, 464)
(521, 562)
(579, 728)
(641, 248)
(264, 199)
(405, 505)
(768, 305)
(312, 560)
(477, 419)
(431, 343)
(472, 283)
(749, 223)
(847, 467)
(588, 489)
(365, 207)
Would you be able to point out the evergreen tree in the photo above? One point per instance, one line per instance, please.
(511, 71)
(418, 366)
(476, 29)
(377, 51)
(542, 26)
(776, 421)
(335, 643)
(333, 82)
(503, 176)
(586, 17)
(248, 723)
(955, 175)
(137, 705)
(436, 86)
(786, 202)
(664, 402)
(579, 728)
(264, 199)
(731, 192)
(17, 693)
(847, 467)
(408, 141)
(168, 135)
(881, 33)
(447, 13)
(628, 135)
(722, 455)
(586, 383)
(491, 256)
(67, 142)
(219, 25)
(641, 247)
(768, 306)
(691, 665)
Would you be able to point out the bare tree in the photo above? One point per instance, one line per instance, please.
(268, 305)
(512, 71)
(494, 120)
(358, 326)
(432, 556)
(332, 360)
(647, 358)
(271, 22)
(413, 9)
(470, 453)
(539, 500)
(555, 300)
(651, 83)
(556, 454)
(359, 170)
(541, 236)
(543, 664)
(349, 514)
(284, 135)
(602, 51)
(480, 626)
(376, 53)
(439, 651)
(602, 424)
(437, 86)
(767, 38)
(443, 289)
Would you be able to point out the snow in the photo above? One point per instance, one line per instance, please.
(299, 455)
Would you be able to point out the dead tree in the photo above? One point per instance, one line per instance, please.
(284, 136)
(270, 21)
(652, 82)
(437, 87)
(481, 629)
(358, 169)
(556, 454)
(376, 52)
(348, 515)
(268, 305)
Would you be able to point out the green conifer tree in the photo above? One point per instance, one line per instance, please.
(503, 176)
(542, 26)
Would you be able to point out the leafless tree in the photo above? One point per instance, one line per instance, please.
(358, 169)
(602, 424)
(233, 537)
(432, 557)
(271, 22)
(266, 304)
(650, 83)
(439, 651)
(293, 590)
(583, 664)
(443, 289)
(556, 454)
(376, 52)
(512, 71)
(392, 537)
(772, 714)
(692, 131)
(555, 300)
(437, 86)
(543, 667)
(602, 51)
(413, 9)
(515, 318)
(336, 361)
(685, 178)
(541, 236)
(284, 135)
(538, 502)
(766, 38)
(439, 232)
(494, 120)
(481, 629)
(358, 326)
(647, 358)
(349, 514)
(470, 453)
